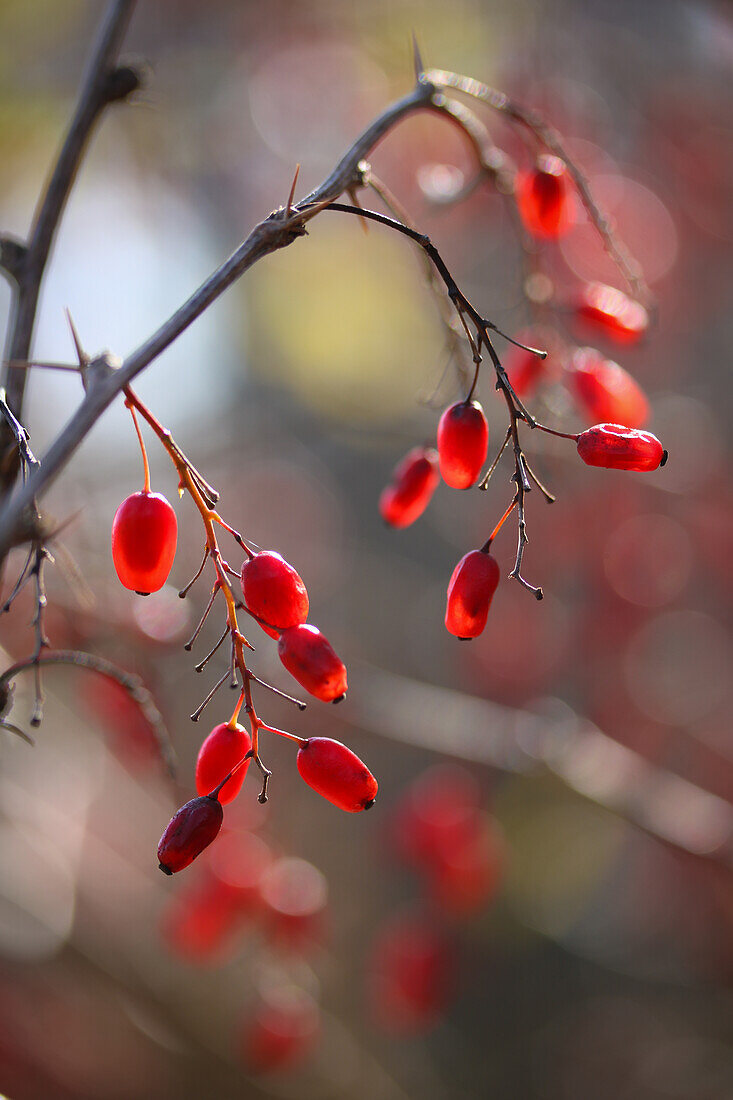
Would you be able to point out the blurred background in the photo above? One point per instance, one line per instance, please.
(541, 903)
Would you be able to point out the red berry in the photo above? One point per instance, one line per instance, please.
(198, 923)
(463, 440)
(309, 657)
(282, 1032)
(273, 591)
(222, 749)
(467, 871)
(612, 312)
(544, 198)
(470, 592)
(144, 535)
(620, 448)
(411, 963)
(606, 391)
(189, 831)
(413, 483)
(337, 774)
(293, 894)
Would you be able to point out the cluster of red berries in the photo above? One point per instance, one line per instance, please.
(456, 849)
(245, 888)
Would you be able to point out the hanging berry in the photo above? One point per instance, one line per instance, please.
(273, 591)
(413, 483)
(610, 311)
(619, 448)
(189, 831)
(337, 773)
(144, 536)
(463, 440)
(310, 658)
(544, 198)
(223, 748)
(605, 391)
(470, 592)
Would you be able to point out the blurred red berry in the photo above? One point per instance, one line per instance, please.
(337, 773)
(605, 391)
(610, 311)
(524, 369)
(470, 591)
(293, 895)
(413, 483)
(544, 198)
(223, 748)
(619, 448)
(310, 658)
(273, 591)
(410, 974)
(463, 440)
(144, 536)
(191, 829)
(281, 1032)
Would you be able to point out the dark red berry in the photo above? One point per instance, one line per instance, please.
(413, 483)
(619, 448)
(612, 312)
(544, 198)
(309, 657)
(221, 751)
(470, 591)
(607, 392)
(273, 591)
(337, 774)
(463, 440)
(144, 535)
(189, 831)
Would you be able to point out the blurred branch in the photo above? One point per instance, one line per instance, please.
(668, 807)
(25, 262)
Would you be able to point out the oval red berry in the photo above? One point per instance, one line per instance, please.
(413, 483)
(470, 592)
(617, 447)
(273, 591)
(609, 310)
(544, 198)
(310, 658)
(606, 392)
(219, 754)
(144, 536)
(463, 440)
(337, 773)
(189, 831)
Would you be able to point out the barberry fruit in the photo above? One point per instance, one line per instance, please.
(612, 312)
(463, 440)
(282, 1031)
(470, 591)
(413, 483)
(223, 748)
(337, 773)
(310, 658)
(144, 536)
(605, 390)
(410, 972)
(191, 829)
(544, 198)
(620, 448)
(273, 591)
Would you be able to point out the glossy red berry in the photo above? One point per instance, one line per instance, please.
(544, 198)
(144, 535)
(337, 773)
(619, 448)
(606, 392)
(463, 440)
(309, 657)
(612, 312)
(413, 483)
(470, 591)
(273, 591)
(221, 751)
(189, 831)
